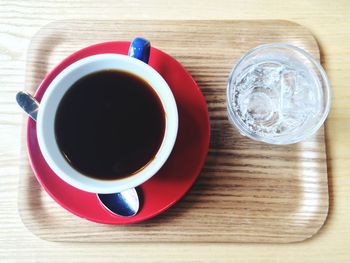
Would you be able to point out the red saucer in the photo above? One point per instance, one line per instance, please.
(178, 174)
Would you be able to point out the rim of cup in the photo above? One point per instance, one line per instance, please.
(56, 90)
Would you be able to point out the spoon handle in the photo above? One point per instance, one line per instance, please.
(28, 103)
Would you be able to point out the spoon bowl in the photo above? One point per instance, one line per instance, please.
(125, 203)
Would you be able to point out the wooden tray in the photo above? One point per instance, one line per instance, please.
(247, 191)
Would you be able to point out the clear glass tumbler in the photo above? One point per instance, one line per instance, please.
(278, 94)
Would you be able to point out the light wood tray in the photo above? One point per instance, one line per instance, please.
(247, 191)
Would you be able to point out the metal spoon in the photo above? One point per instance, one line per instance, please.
(125, 203)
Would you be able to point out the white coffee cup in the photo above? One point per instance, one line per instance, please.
(54, 94)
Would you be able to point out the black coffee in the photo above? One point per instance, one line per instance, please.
(110, 124)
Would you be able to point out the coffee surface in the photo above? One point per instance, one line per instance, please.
(110, 124)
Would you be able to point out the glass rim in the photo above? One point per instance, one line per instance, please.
(281, 139)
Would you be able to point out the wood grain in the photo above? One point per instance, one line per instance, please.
(247, 191)
(328, 21)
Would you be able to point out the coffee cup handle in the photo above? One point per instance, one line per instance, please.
(140, 49)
